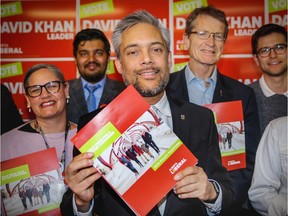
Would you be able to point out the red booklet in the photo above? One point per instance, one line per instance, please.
(230, 124)
(32, 184)
(136, 153)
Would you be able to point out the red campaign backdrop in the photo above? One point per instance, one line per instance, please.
(43, 31)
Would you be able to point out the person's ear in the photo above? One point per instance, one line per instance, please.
(118, 65)
(256, 59)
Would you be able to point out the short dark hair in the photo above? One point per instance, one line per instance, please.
(266, 30)
(210, 11)
(88, 35)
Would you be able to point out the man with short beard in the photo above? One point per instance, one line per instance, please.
(91, 50)
(143, 57)
(269, 47)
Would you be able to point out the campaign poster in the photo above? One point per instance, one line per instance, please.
(277, 10)
(41, 29)
(105, 15)
(180, 63)
(243, 69)
(244, 18)
(181, 10)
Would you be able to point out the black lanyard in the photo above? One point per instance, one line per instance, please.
(39, 130)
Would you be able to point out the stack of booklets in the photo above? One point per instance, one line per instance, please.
(135, 151)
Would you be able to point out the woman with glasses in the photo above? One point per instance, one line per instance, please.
(47, 94)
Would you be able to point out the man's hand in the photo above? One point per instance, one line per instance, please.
(80, 176)
(192, 182)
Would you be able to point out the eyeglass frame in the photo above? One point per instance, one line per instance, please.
(198, 33)
(268, 50)
(45, 86)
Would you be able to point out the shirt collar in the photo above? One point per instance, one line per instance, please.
(266, 90)
(101, 82)
(163, 106)
(190, 75)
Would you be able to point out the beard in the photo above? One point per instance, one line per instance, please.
(146, 91)
(96, 76)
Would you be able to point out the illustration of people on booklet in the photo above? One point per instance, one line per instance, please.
(229, 131)
(32, 194)
(22, 195)
(127, 162)
(130, 154)
(149, 141)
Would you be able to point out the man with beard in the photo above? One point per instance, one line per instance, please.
(201, 82)
(269, 47)
(91, 50)
(142, 45)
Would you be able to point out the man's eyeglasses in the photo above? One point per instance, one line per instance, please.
(278, 48)
(204, 35)
(36, 90)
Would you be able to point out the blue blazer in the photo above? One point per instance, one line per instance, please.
(228, 89)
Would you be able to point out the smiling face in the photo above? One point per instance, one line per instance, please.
(144, 60)
(274, 64)
(205, 52)
(92, 60)
(47, 105)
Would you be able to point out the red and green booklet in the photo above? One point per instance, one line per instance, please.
(32, 184)
(230, 124)
(136, 153)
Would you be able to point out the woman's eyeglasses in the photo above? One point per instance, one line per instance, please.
(36, 90)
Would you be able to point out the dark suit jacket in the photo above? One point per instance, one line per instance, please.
(77, 105)
(10, 116)
(228, 89)
(198, 131)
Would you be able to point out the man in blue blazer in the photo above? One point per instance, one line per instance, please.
(201, 83)
(142, 46)
(91, 51)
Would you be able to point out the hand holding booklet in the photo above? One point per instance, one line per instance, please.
(134, 150)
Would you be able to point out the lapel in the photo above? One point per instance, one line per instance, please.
(178, 86)
(181, 127)
(78, 93)
(181, 119)
(222, 92)
(106, 95)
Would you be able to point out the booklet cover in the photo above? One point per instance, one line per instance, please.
(32, 184)
(136, 153)
(230, 124)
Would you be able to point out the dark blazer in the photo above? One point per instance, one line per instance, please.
(198, 131)
(77, 105)
(228, 89)
(10, 116)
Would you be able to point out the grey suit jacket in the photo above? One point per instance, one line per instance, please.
(77, 105)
